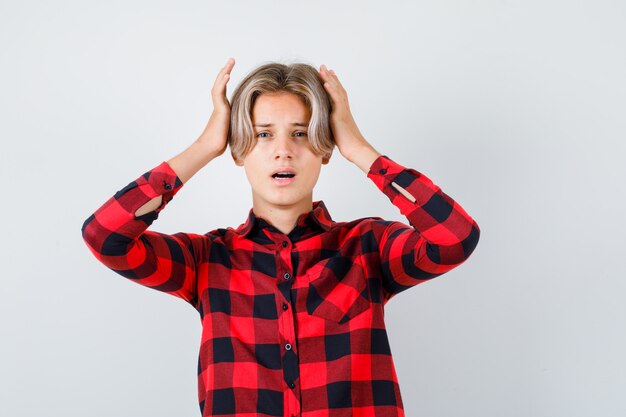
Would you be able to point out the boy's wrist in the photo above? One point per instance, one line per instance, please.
(364, 157)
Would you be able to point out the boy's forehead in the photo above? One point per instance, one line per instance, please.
(272, 116)
(301, 124)
(270, 107)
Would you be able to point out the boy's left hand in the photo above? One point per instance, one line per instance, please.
(348, 138)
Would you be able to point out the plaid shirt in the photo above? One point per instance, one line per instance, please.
(293, 325)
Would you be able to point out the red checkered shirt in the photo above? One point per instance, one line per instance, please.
(293, 325)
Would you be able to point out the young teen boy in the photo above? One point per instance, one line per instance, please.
(291, 302)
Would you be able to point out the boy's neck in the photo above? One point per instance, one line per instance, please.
(283, 218)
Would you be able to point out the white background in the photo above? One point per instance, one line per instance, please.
(515, 108)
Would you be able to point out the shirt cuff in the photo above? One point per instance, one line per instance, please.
(426, 195)
(384, 171)
(160, 180)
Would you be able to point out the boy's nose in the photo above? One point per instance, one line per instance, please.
(284, 144)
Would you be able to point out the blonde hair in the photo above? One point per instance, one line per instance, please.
(300, 79)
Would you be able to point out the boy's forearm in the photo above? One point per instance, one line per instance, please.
(364, 157)
(191, 160)
(186, 164)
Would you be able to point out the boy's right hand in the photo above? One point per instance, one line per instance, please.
(215, 134)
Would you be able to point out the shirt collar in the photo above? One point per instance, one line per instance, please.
(317, 217)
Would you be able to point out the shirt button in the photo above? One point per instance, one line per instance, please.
(284, 244)
(285, 306)
(288, 346)
(167, 186)
(287, 275)
(292, 385)
(383, 171)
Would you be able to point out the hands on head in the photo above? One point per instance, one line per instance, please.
(215, 134)
(348, 138)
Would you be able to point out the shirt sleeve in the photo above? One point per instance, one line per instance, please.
(440, 237)
(119, 239)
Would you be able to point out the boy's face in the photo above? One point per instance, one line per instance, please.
(280, 144)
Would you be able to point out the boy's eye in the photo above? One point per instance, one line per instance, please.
(266, 133)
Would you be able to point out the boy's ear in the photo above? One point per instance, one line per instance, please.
(238, 162)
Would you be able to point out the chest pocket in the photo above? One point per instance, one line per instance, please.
(338, 289)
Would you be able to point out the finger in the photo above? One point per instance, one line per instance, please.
(224, 75)
(326, 76)
(335, 85)
(332, 84)
(225, 71)
(230, 63)
(332, 91)
(328, 71)
(332, 78)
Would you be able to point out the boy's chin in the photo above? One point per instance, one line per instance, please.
(286, 200)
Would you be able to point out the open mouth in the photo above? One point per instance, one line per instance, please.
(283, 178)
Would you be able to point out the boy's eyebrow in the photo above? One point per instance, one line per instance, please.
(271, 124)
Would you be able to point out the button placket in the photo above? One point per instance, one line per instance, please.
(289, 356)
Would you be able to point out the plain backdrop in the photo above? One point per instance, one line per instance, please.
(516, 109)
